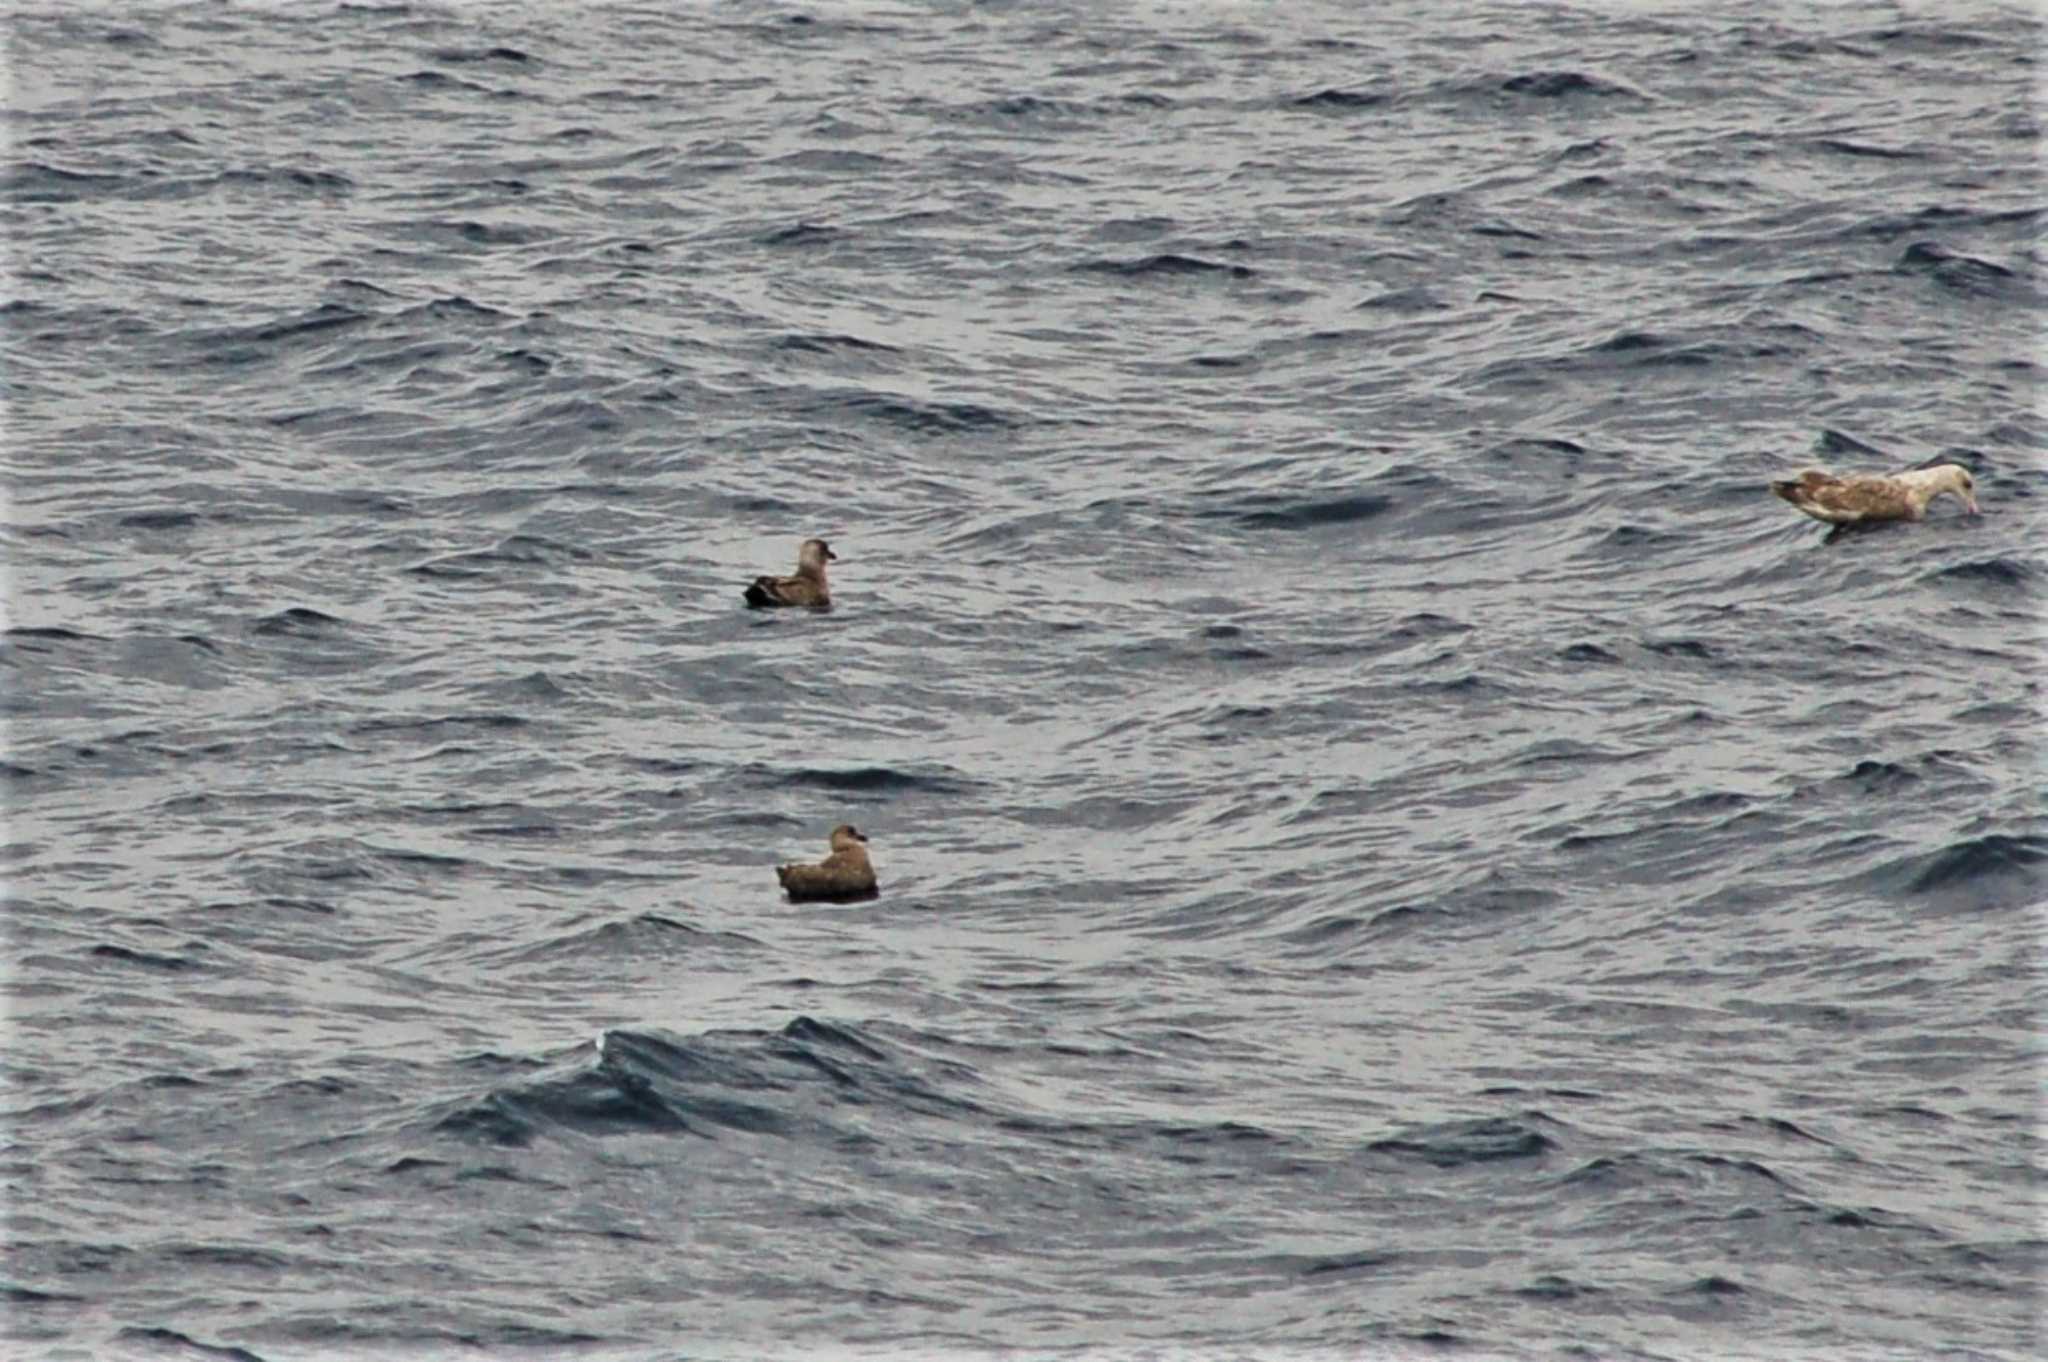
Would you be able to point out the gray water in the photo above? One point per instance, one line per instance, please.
(1392, 841)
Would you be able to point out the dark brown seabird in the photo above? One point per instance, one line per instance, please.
(844, 875)
(1871, 498)
(806, 587)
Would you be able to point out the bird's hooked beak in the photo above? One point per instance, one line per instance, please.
(830, 556)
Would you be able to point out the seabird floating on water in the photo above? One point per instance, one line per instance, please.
(806, 587)
(1867, 499)
(845, 874)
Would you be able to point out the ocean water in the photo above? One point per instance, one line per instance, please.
(1393, 843)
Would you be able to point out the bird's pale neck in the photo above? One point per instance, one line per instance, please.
(1923, 485)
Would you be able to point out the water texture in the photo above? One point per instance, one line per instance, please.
(1392, 842)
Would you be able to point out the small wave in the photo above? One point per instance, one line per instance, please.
(868, 779)
(437, 80)
(783, 1083)
(643, 936)
(438, 723)
(1997, 572)
(1804, 49)
(326, 317)
(815, 161)
(1608, 1171)
(15, 1294)
(1272, 511)
(1166, 264)
(387, 1333)
(1549, 450)
(1587, 841)
(1841, 146)
(1925, 38)
(39, 182)
(606, 1100)
(454, 307)
(327, 182)
(1333, 927)
(1589, 654)
(1874, 777)
(228, 1255)
(1681, 647)
(1425, 625)
(1986, 863)
(1711, 803)
(1022, 106)
(1642, 350)
(518, 550)
(828, 343)
(143, 959)
(464, 56)
(1213, 363)
(532, 686)
(1625, 342)
(825, 1033)
(924, 418)
(1630, 541)
(1929, 255)
(1748, 1168)
(516, 832)
(297, 620)
(802, 234)
(1870, 1218)
(1779, 1125)
(1228, 651)
(1470, 684)
(1566, 85)
(1939, 217)
(1963, 273)
(1457, 1143)
(159, 520)
(477, 233)
(160, 1341)
(524, 362)
(47, 633)
(1342, 101)
(1501, 227)
(1496, 893)
(1363, 1261)
(1571, 751)
(1585, 186)
(1009, 111)
(1835, 443)
(1910, 1111)
(534, 548)
(1128, 230)
(1405, 300)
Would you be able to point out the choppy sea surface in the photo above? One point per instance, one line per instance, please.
(1392, 842)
